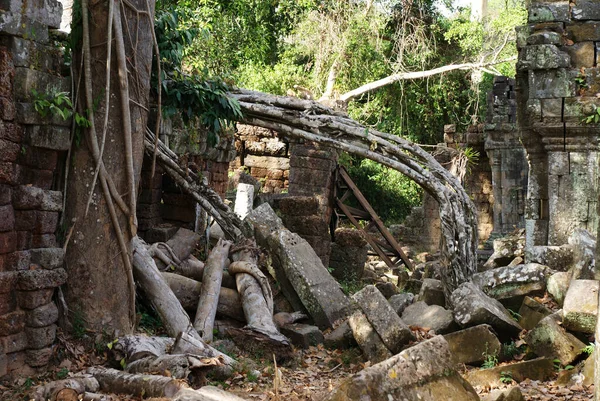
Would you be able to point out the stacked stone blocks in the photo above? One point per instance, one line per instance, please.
(32, 149)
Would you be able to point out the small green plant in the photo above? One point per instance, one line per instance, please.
(58, 104)
(558, 365)
(78, 324)
(62, 374)
(490, 361)
(506, 377)
(28, 383)
(351, 285)
(515, 315)
(252, 376)
(593, 118)
(510, 350)
(588, 349)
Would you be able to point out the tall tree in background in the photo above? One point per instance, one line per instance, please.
(114, 45)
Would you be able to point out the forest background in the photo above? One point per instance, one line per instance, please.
(322, 49)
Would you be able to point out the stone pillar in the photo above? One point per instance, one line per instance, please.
(244, 200)
(558, 80)
(33, 152)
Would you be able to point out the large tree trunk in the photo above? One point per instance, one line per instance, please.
(312, 121)
(100, 286)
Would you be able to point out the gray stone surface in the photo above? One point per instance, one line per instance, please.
(473, 345)
(549, 12)
(30, 280)
(244, 199)
(367, 338)
(544, 57)
(26, 197)
(551, 340)
(43, 316)
(531, 312)
(557, 286)
(473, 307)
(540, 369)
(265, 221)
(432, 292)
(399, 302)
(296, 262)
(511, 394)
(49, 137)
(580, 309)
(48, 258)
(433, 317)
(511, 284)
(424, 372)
(584, 261)
(341, 337)
(558, 258)
(303, 335)
(391, 329)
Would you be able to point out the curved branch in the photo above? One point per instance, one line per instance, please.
(416, 75)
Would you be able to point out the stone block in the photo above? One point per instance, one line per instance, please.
(432, 292)
(424, 372)
(296, 263)
(580, 309)
(267, 162)
(387, 289)
(12, 323)
(531, 313)
(557, 285)
(548, 338)
(586, 10)
(432, 317)
(178, 213)
(299, 205)
(265, 221)
(3, 365)
(17, 366)
(8, 111)
(511, 284)
(7, 218)
(8, 242)
(26, 114)
(35, 177)
(5, 195)
(25, 220)
(45, 222)
(49, 137)
(545, 38)
(550, 84)
(32, 280)
(582, 55)
(413, 286)
(33, 299)
(9, 173)
(7, 71)
(340, 338)
(303, 335)
(48, 258)
(40, 337)
(306, 225)
(558, 258)
(511, 394)
(38, 357)
(394, 333)
(543, 57)
(549, 12)
(471, 346)
(541, 369)
(44, 241)
(27, 80)
(161, 233)
(42, 316)
(38, 158)
(473, 307)
(400, 302)
(582, 32)
(28, 197)
(13, 343)
(312, 163)
(367, 338)
(9, 151)
(583, 244)
(46, 12)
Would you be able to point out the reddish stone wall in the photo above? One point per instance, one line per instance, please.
(32, 155)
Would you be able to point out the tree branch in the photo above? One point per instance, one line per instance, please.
(416, 75)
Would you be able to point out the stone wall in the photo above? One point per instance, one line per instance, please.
(507, 158)
(32, 157)
(557, 87)
(265, 156)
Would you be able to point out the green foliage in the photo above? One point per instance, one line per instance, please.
(62, 373)
(489, 362)
(558, 365)
(506, 377)
(391, 194)
(78, 324)
(510, 350)
(351, 285)
(195, 97)
(593, 118)
(515, 315)
(588, 349)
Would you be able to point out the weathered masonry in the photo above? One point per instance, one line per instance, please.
(557, 83)
(33, 151)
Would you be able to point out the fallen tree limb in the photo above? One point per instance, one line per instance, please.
(179, 366)
(188, 181)
(209, 294)
(163, 300)
(134, 347)
(261, 331)
(188, 291)
(72, 387)
(309, 120)
(119, 382)
(176, 249)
